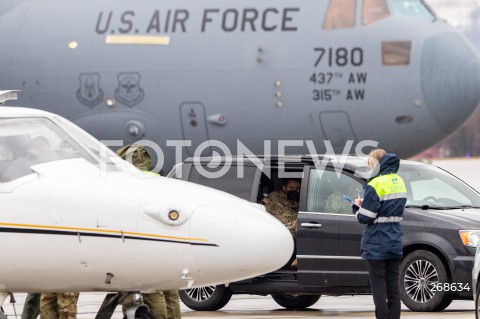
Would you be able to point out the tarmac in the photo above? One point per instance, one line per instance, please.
(260, 307)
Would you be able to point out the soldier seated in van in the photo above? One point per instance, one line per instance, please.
(283, 204)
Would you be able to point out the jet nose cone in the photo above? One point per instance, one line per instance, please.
(249, 242)
(450, 75)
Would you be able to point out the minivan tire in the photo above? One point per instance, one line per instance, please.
(419, 272)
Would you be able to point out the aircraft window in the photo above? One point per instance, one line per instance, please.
(374, 10)
(396, 52)
(108, 159)
(25, 142)
(325, 190)
(410, 8)
(340, 14)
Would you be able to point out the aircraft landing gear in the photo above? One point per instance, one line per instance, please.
(111, 301)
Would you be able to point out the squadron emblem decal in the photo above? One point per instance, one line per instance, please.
(129, 92)
(90, 93)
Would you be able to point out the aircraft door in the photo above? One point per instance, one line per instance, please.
(337, 128)
(194, 126)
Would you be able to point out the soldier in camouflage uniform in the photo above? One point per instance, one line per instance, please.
(162, 304)
(284, 204)
(62, 305)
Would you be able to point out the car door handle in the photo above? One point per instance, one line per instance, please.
(311, 225)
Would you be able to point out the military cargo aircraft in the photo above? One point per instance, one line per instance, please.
(75, 217)
(329, 71)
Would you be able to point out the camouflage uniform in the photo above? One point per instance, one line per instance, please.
(31, 308)
(285, 210)
(62, 305)
(335, 204)
(137, 154)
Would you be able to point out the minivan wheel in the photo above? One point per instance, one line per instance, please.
(208, 298)
(420, 271)
(296, 301)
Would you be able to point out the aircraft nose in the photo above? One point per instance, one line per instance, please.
(249, 242)
(450, 75)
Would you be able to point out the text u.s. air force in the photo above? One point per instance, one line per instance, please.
(183, 20)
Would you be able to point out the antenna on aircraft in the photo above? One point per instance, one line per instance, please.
(8, 95)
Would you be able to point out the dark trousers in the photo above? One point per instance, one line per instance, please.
(384, 280)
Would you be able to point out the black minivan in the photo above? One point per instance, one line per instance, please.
(441, 229)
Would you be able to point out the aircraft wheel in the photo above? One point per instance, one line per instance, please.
(208, 298)
(420, 271)
(296, 301)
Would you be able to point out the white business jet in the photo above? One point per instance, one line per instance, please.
(75, 217)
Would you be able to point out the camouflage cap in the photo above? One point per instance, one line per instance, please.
(137, 155)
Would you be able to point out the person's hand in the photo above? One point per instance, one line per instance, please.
(358, 201)
(264, 201)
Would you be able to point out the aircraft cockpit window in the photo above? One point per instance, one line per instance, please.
(25, 142)
(410, 8)
(396, 52)
(108, 159)
(340, 14)
(374, 10)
